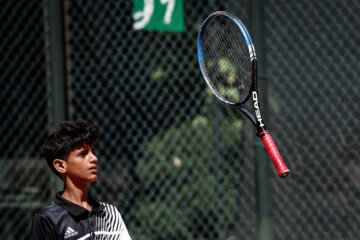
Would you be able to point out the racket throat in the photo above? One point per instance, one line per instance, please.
(259, 127)
(260, 121)
(250, 116)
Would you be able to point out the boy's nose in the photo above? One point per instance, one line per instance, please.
(93, 158)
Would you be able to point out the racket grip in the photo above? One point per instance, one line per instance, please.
(275, 156)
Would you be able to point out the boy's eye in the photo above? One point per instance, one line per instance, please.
(83, 153)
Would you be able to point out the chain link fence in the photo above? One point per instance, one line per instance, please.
(312, 63)
(176, 162)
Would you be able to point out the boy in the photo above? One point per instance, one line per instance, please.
(74, 214)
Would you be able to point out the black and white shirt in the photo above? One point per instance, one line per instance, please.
(63, 219)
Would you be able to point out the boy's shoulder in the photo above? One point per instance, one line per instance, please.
(111, 210)
(108, 207)
(52, 210)
(57, 208)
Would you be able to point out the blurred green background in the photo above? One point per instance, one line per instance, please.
(176, 162)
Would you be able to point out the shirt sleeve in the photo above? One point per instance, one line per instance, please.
(42, 228)
(124, 235)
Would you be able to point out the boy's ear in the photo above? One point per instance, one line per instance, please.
(60, 165)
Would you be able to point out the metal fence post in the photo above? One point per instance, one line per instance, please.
(57, 79)
(263, 198)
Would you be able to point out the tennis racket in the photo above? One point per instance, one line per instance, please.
(228, 63)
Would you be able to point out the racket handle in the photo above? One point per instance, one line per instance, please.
(275, 156)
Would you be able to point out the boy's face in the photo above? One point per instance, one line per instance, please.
(82, 165)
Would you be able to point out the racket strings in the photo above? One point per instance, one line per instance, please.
(235, 56)
(227, 60)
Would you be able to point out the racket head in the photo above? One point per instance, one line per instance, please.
(226, 54)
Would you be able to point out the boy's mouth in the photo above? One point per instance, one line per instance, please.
(93, 169)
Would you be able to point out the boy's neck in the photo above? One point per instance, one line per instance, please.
(78, 195)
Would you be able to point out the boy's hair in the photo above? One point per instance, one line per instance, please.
(66, 138)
